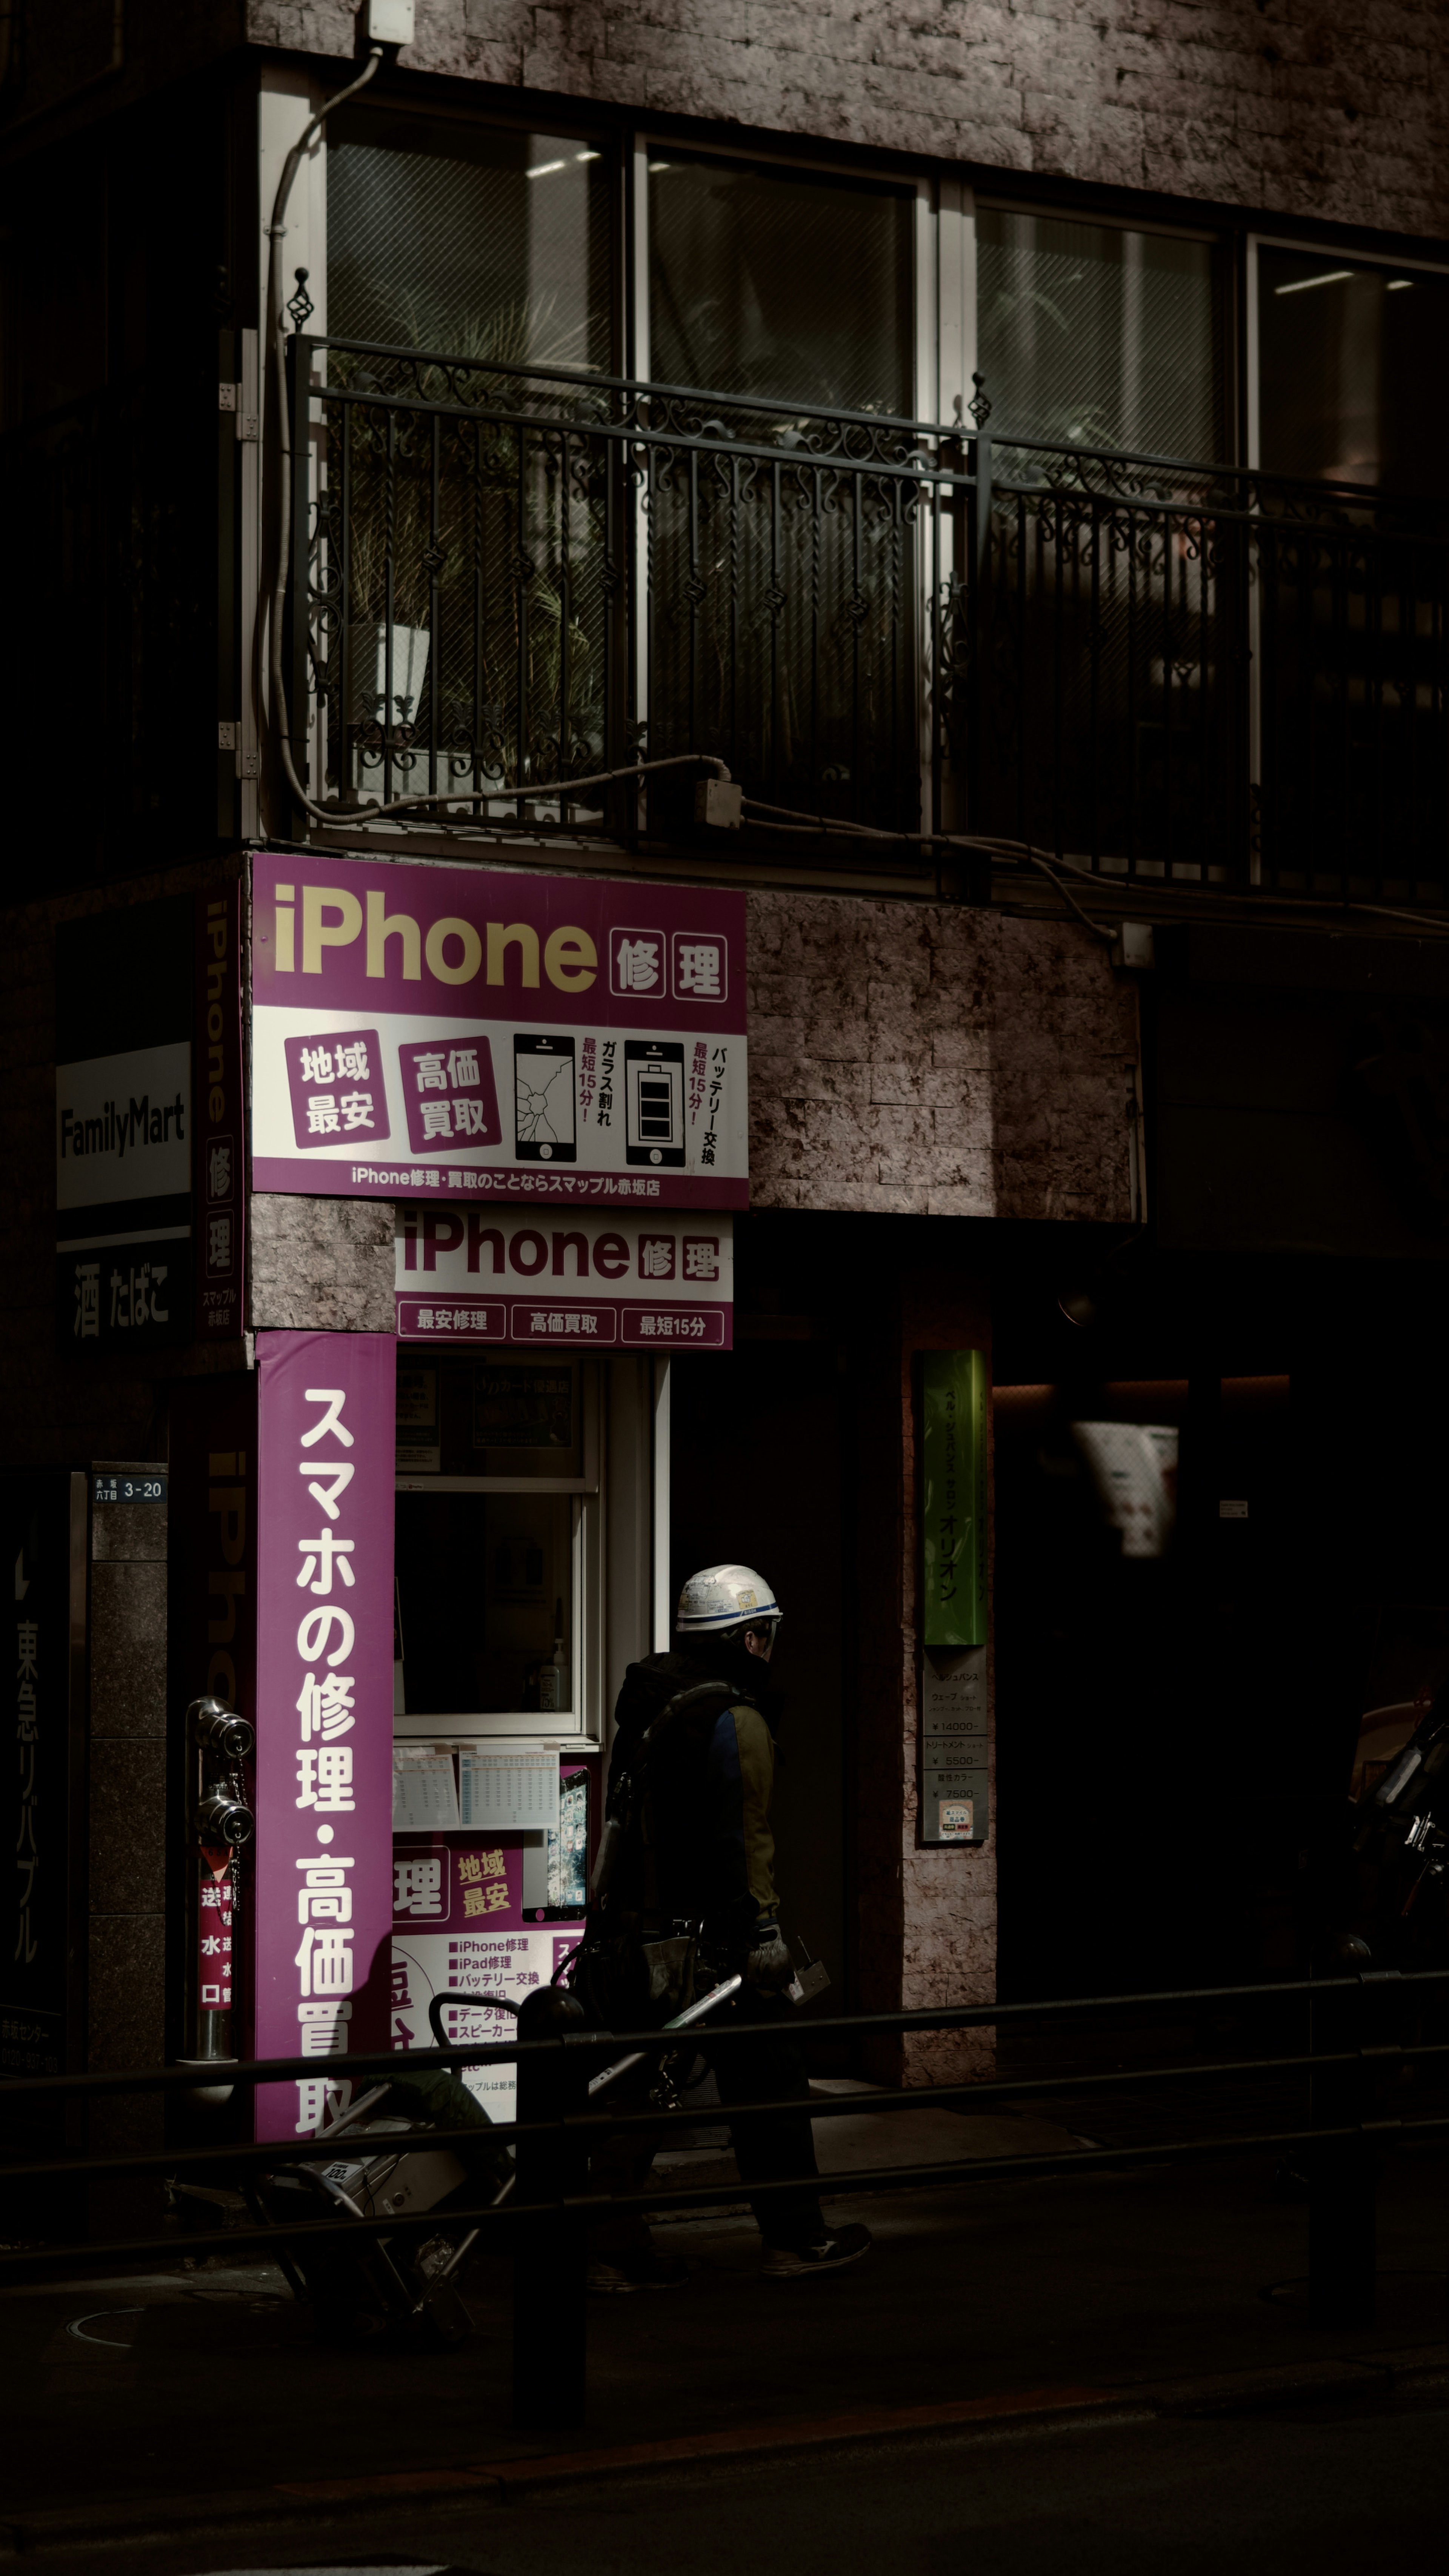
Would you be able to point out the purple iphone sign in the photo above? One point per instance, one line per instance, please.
(323, 1910)
(487, 1035)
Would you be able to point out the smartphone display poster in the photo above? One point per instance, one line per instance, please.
(483, 1035)
(494, 1968)
(482, 1920)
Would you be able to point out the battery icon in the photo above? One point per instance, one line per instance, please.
(656, 1111)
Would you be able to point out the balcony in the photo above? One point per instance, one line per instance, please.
(1181, 674)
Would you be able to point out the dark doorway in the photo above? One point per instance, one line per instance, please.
(1158, 1703)
(756, 1466)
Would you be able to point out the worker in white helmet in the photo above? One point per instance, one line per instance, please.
(684, 1896)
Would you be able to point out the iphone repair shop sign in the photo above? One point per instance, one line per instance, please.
(483, 1035)
(573, 1280)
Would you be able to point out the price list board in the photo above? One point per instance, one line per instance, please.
(955, 1747)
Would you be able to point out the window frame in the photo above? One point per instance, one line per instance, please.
(1258, 240)
(1254, 242)
(1219, 240)
(931, 330)
(580, 1726)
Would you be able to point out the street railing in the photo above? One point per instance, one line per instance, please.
(509, 576)
(546, 2217)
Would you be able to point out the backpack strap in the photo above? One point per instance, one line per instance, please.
(676, 1707)
(629, 1788)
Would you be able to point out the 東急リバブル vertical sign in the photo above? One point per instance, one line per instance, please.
(42, 1549)
(123, 1135)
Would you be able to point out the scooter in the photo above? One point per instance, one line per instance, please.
(404, 2287)
(399, 2287)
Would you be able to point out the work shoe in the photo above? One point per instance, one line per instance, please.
(626, 2272)
(792, 2262)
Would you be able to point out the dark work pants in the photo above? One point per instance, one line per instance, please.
(769, 2068)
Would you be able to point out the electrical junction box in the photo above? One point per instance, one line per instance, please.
(718, 801)
(389, 22)
(1134, 946)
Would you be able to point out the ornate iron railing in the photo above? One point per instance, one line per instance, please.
(1201, 673)
(521, 577)
(1184, 673)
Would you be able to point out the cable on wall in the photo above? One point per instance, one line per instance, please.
(276, 229)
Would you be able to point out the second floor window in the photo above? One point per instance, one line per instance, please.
(1353, 368)
(471, 241)
(780, 282)
(1095, 336)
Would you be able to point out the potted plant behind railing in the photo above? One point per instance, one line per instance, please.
(472, 663)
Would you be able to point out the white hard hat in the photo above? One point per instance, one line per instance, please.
(725, 1596)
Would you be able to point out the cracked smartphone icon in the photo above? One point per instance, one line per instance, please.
(654, 1103)
(543, 1099)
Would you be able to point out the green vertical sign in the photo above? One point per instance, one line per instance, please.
(953, 1517)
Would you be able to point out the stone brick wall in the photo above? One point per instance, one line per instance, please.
(933, 1060)
(322, 1265)
(1270, 104)
(1273, 105)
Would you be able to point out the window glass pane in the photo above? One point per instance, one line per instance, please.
(485, 1597)
(778, 283)
(513, 1415)
(473, 242)
(1353, 369)
(1097, 337)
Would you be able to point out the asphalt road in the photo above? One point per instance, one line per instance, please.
(117, 2391)
(1334, 2491)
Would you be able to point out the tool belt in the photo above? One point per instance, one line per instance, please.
(644, 1970)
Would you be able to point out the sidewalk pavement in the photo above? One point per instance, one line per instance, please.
(132, 2405)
